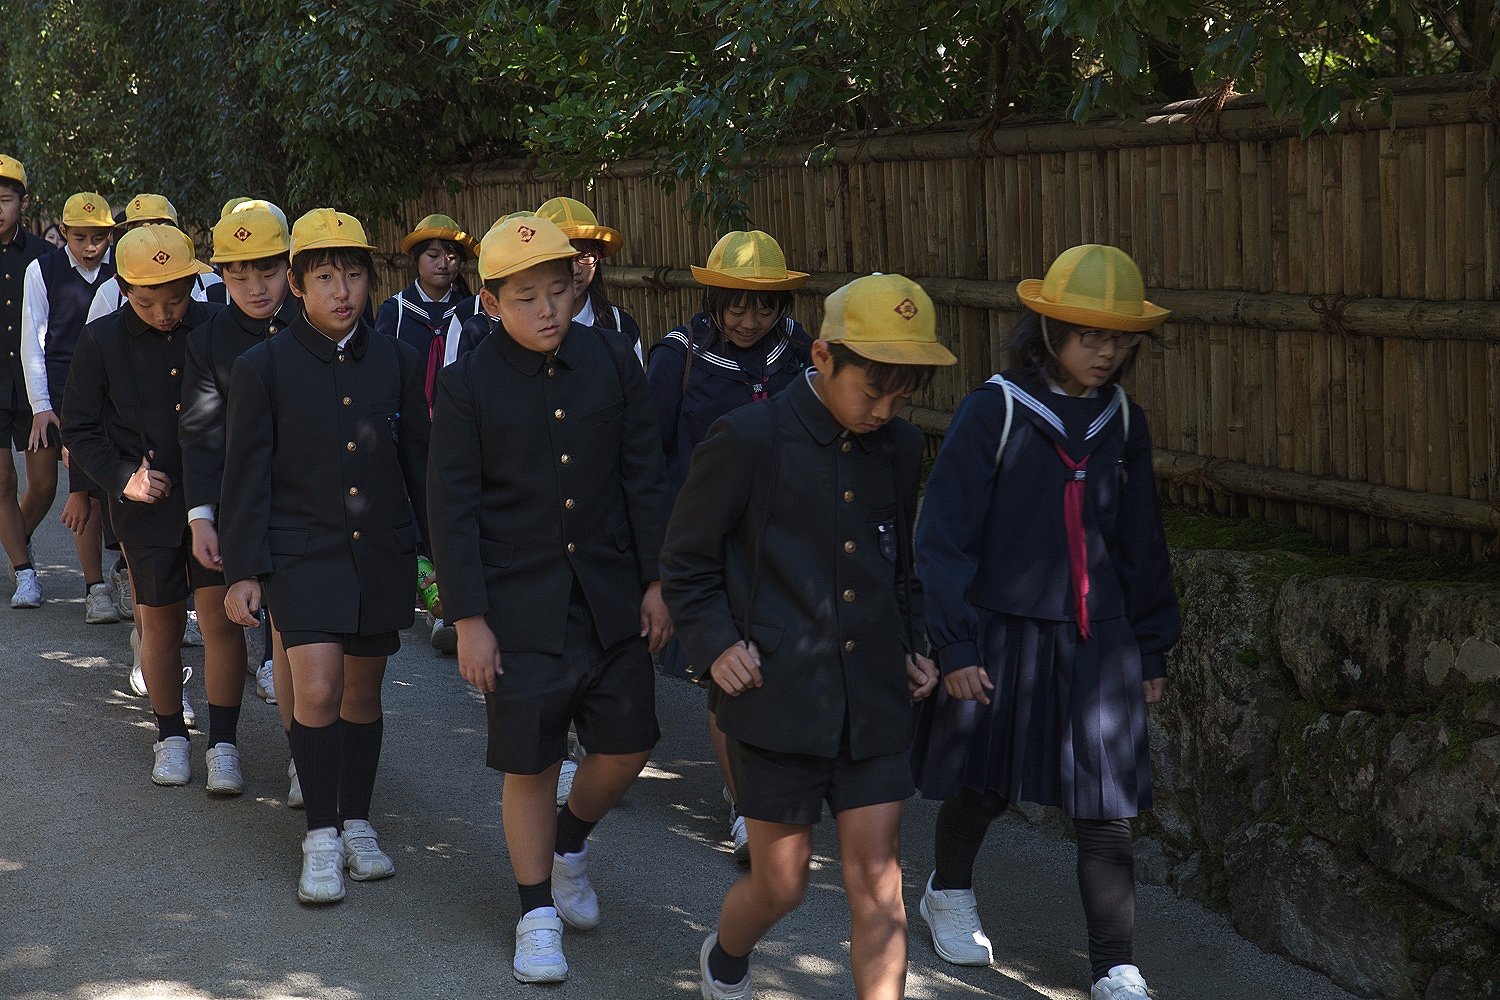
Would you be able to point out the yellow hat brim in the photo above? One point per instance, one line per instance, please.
(417, 237)
(234, 258)
(719, 279)
(612, 240)
(901, 352)
(196, 267)
(334, 244)
(517, 266)
(1030, 294)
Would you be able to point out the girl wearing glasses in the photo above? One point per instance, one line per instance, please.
(1050, 605)
(594, 243)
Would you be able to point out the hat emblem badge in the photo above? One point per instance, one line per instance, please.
(88, 206)
(906, 309)
(162, 257)
(526, 233)
(242, 234)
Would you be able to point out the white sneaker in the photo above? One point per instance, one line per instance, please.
(124, 593)
(137, 675)
(28, 590)
(294, 792)
(576, 901)
(173, 766)
(189, 716)
(565, 781)
(322, 867)
(444, 636)
(740, 836)
(265, 682)
(1124, 982)
(711, 988)
(953, 917)
(224, 777)
(362, 854)
(99, 606)
(539, 954)
(190, 634)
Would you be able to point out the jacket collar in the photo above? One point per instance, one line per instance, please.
(816, 417)
(285, 316)
(529, 362)
(324, 349)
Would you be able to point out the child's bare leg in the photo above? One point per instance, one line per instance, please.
(774, 887)
(41, 487)
(603, 779)
(281, 670)
(721, 751)
(528, 810)
(90, 545)
(223, 649)
(161, 654)
(870, 848)
(12, 524)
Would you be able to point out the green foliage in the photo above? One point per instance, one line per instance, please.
(365, 103)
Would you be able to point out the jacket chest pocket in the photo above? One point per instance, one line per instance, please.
(601, 417)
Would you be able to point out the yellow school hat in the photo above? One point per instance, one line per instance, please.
(519, 242)
(150, 208)
(249, 203)
(326, 229)
(439, 227)
(578, 222)
(87, 208)
(12, 169)
(751, 260)
(231, 205)
(155, 254)
(886, 318)
(249, 234)
(1093, 285)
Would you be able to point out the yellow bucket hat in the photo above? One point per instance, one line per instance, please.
(327, 229)
(750, 260)
(578, 222)
(249, 233)
(231, 205)
(12, 169)
(439, 227)
(1093, 285)
(519, 242)
(150, 208)
(88, 209)
(886, 318)
(154, 255)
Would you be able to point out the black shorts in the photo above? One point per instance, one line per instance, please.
(15, 427)
(379, 644)
(609, 693)
(161, 576)
(792, 787)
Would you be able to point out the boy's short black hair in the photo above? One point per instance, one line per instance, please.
(186, 281)
(716, 300)
(452, 246)
(1028, 347)
(344, 258)
(10, 183)
(493, 285)
(884, 378)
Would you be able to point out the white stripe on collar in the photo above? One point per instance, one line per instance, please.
(782, 346)
(1035, 405)
(1103, 419)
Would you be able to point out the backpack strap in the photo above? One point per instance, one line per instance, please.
(1124, 409)
(1010, 415)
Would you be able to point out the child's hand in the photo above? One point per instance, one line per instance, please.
(242, 603)
(75, 514)
(969, 684)
(206, 544)
(146, 485)
(921, 676)
(39, 425)
(478, 653)
(1154, 688)
(656, 623)
(737, 669)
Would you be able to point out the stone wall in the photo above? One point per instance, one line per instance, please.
(1327, 766)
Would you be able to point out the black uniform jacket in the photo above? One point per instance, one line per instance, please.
(123, 397)
(211, 352)
(837, 607)
(323, 485)
(544, 471)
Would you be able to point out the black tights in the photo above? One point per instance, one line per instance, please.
(1106, 869)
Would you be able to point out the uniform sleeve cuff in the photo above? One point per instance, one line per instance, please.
(1153, 666)
(957, 655)
(202, 512)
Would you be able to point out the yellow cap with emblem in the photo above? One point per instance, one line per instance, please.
(150, 208)
(327, 229)
(249, 234)
(87, 209)
(886, 318)
(155, 255)
(12, 169)
(520, 242)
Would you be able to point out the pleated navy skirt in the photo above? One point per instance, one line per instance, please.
(1065, 726)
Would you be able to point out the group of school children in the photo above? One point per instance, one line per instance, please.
(740, 504)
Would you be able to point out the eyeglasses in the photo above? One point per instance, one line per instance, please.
(587, 259)
(1095, 339)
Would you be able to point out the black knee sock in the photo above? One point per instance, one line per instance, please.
(726, 968)
(89, 585)
(21, 567)
(223, 721)
(962, 822)
(1106, 881)
(319, 753)
(534, 897)
(572, 832)
(170, 725)
(361, 761)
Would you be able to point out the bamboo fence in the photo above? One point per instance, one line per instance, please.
(1333, 360)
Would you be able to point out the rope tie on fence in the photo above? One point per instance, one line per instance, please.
(1203, 477)
(657, 279)
(1330, 311)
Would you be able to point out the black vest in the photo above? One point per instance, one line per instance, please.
(69, 295)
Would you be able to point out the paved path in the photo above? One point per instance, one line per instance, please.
(112, 888)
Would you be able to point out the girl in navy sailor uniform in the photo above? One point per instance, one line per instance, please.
(1051, 607)
(594, 243)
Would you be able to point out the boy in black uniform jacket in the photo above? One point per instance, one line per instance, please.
(322, 505)
(251, 246)
(120, 422)
(788, 568)
(18, 518)
(548, 508)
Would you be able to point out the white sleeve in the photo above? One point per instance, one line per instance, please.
(106, 300)
(450, 346)
(34, 312)
(203, 283)
(202, 512)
